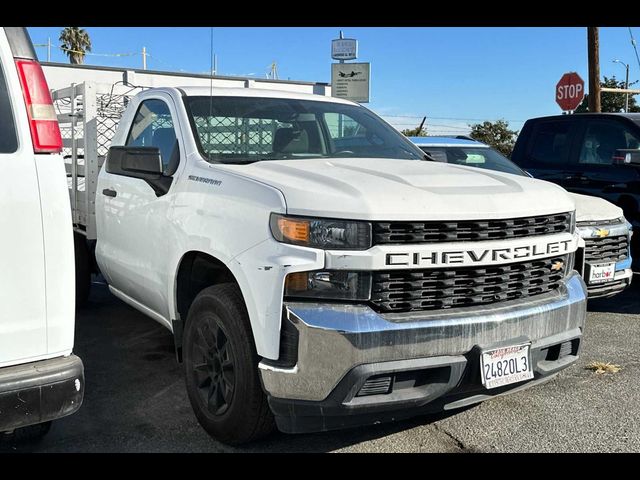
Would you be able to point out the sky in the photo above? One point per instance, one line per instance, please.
(453, 76)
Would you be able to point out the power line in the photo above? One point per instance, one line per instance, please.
(88, 53)
(99, 54)
(447, 118)
(635, 48)
(165, 63)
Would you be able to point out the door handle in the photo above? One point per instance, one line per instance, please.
(109, 192)
(580, 178)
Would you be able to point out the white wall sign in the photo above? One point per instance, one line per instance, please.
(344, 49)
(351, 81)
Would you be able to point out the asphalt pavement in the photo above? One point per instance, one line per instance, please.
(135, 399)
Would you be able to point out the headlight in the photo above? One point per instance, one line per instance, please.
(321, 233)
(329, 284)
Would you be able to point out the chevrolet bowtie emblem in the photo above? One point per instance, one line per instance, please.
(557, 265)
(601, 232)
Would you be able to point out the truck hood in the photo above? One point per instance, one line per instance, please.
(590, 209)
(389, 189)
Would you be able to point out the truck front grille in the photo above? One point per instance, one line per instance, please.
(608, 249)
(414, 290)
(469, 230)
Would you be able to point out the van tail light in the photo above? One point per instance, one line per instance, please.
(43, 122)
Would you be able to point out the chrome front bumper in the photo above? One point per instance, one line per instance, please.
(335, 339)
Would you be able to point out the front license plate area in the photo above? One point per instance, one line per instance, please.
(505, 365)
(601, 272)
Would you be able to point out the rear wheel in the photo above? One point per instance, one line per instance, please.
(83, 269)
(221, 368)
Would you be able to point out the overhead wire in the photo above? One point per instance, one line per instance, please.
(635, 47)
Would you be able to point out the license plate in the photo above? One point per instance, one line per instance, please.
(601, 272)
(502, 366)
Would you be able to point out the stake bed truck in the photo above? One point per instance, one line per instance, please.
(315, 271)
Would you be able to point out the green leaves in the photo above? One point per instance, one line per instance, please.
(496, 134)
(75, 43)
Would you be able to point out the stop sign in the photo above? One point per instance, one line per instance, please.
(569, 91)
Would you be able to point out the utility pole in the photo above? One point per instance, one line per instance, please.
(49, 49)
(144, 58)
(626, 87)
(593, 43)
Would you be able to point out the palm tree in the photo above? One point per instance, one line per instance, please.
(75, 42)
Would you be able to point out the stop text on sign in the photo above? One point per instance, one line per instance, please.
(570, 91)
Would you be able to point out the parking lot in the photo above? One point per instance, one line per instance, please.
(135, 399)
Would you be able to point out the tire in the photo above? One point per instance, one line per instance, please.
(32, 433)
(83, 269)
(221, 368)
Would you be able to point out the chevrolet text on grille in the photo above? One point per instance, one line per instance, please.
(451, 257)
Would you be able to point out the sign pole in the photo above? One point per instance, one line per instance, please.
(348, 80)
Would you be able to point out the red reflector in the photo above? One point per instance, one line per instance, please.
(45, 131)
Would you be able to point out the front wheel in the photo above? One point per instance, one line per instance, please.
(221, 368)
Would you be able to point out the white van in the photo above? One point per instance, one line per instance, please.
(40, 379)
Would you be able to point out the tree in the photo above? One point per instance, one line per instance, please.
(611, 102)
(496, 134)
(75, 43)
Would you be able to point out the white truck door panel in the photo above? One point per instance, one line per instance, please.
(133, 242)
(23, 319)
(134, 231)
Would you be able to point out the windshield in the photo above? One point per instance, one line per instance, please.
(474, 157)
(250, 129)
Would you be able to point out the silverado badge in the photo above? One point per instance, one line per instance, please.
(601, 232)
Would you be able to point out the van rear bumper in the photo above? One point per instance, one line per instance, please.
(37, 392)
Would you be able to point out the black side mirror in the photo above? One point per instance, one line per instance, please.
(144, 163)
(136, 162)
(627, 156)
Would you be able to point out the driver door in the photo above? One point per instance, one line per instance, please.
(134, 231)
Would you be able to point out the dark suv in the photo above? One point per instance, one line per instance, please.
(582, 154)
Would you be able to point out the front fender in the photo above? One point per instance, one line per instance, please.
(260, 272)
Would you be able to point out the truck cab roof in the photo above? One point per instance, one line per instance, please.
(634, 117)
(249, 92)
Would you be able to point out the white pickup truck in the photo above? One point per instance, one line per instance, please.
(313, 269)
(40, 378)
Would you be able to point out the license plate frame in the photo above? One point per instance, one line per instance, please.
(496, 362)
(596, 269)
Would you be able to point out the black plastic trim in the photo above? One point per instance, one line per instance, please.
(41, 391)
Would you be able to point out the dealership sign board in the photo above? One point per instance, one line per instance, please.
(351, 81)
(344, 49)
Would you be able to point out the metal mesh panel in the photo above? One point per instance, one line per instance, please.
(110, 109)
(233, 136)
